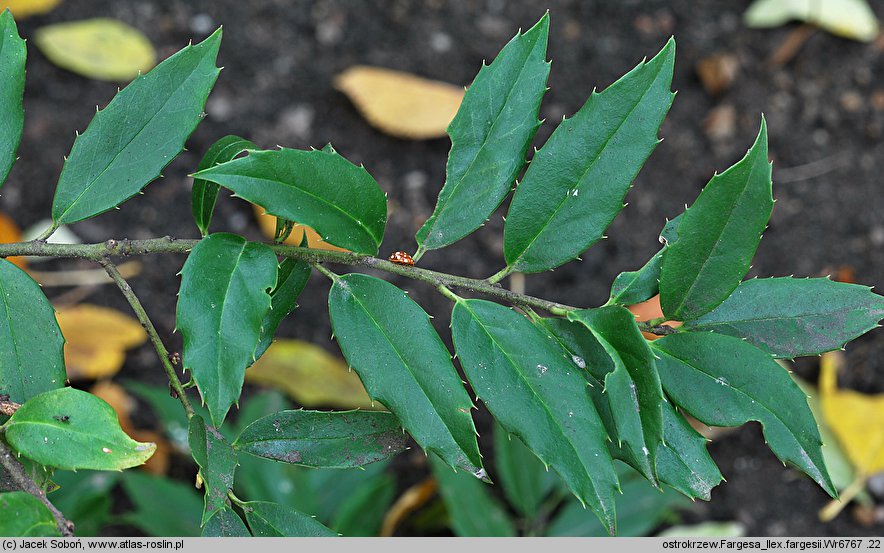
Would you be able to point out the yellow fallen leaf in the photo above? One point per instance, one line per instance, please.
(26, 8)
(852, 19)
(310, 375)
(401, 104)
(97, 339)
(9, 232)
(267, 223)
(102, 48)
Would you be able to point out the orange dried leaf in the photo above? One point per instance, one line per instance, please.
(97, 339)
(9, 232)
(649, 310)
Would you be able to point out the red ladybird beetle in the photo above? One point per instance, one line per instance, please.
(401, 258)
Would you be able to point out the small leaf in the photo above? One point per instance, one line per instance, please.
(280, 521)
(221, 306)
(537, 393)
(401, 104)
(576, 183)
(204, 193)
(682, 460)
(310, 375)
(70, 429)
(24, 516)
(217, 461)
(718, 236)
(291, 277)
(342, 439)
(12, 75)
(180, 511)
(318, 188)
(723, 381)
(852, 19)
(141, 131)
(489, 138)
(524, 479)
(23, 9)
(31, 357)
(633, 287)
(388, 340)
(792, 317)
(225, 524)
(300, 233)
(97, 339)
(105, 49)
(472, 511)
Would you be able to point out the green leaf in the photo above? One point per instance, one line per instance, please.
(682, 460)
(222, 303)
(537, 393)
(718, 237)
(23, 514)
(291, 278)
(490, 136)
(179, 505)
(792, 317)
(388, 340)
(362, 512)
(472, 510)
(317, 188)
(42, 476)
(71, 429)
(141, 131)
(167, 410)
(266, 480)
(274, 520)
(723, 381)
(576, 183)
(225, 524)
(204, 193)
(217, 461)
(525, 480)
(633, 387)
(633, 287)
(31, 344)
(329, 439)
(12, 75)
(85, 498)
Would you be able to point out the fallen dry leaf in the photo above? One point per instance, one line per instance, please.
(401, 104)
(9, 232)
(96, 340)
(717, 72)
(852, 19)
(267, 224)
(310, 375)
(26, 8)
(410, 501)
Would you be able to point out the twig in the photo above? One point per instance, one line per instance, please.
(7, 406)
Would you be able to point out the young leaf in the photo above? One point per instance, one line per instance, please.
(31, 344)
(291, 278)
(24, 516)
(723, 381)
(388, 339)
(179, 514)
(576, 183)
(222, 303)
(12, 75)
(225, 524)
(141, 131)
(217, 462)
(327, 439)
(633, 287)
(489, 138)
(718, 237)
(682, 460)
(472, 511)
(280, 521)
(71, 429)
(792, 317)
(537, 393)
(203, 192)
(318, 188)
(524, 479)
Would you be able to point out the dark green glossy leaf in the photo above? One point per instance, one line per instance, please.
(525, 480)
(24, 516)
(274, 520)
(140, 131)
(317, 188)
(71, 429)
(225, 524)
(291, 278)
(791, 317)
(724, 381)
(31, 344)
(388, 340)
(12, 75)
(576, 183)
(85, 498)
(718, 236)
(472, 510)
(363, 510)
(180, 505)
(633, 287)
(217, 461)
(682, 460)
(330, 439)
(222, 303)
(490, 136)
(536, 392)
(204, 193)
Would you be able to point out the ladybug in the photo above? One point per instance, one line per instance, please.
(402, 258)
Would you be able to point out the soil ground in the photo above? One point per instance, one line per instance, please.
(825, 110)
